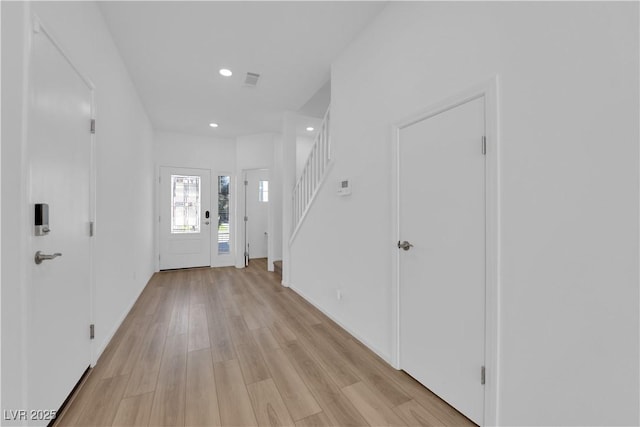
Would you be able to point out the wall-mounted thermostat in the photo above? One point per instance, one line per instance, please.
(344, 187)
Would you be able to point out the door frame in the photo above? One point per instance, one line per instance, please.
(489, 90)
(37, 26)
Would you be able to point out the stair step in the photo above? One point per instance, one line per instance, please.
(277, 267)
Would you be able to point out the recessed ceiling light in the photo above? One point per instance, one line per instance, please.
(310, 129)
(225, 72)
(213, 125)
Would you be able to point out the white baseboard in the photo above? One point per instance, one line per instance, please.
(371, 347)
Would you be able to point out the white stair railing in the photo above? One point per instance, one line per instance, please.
(312, 175)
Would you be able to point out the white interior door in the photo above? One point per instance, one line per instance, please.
(442, 276)
(185, 218)
(256, 192)
(59, 161)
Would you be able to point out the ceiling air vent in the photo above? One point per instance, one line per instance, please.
(251, 80)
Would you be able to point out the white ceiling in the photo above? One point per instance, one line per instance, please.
(173, 51)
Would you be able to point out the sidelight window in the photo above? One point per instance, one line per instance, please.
(223, 215)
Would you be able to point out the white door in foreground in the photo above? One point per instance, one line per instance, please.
(59, 159)
(185, 218)
(442, 276)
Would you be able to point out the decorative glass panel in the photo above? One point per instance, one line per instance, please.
(223, 215)
(185, 204)
(263, 191)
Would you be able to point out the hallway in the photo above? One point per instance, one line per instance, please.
(233, 347)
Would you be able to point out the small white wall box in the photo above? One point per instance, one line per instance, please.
(344, 187)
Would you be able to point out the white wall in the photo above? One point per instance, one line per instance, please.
(0, 229)
(14, 237)
(288, 141)
(569, 191)
(192, 151)
(304, 144)
(124, 238)
(275, 198)
(253, 152)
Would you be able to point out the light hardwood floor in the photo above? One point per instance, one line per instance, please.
(229, 347)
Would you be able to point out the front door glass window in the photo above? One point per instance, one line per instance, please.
(185, 204)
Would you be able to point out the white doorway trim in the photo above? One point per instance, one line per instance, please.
(488, 90)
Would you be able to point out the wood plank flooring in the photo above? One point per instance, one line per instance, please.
(229, 347)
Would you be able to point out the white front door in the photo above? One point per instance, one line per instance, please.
(59, 162)
(257, 212)
(442, 276)
(185, 218)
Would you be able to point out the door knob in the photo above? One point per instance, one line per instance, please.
(206, 222)
(39, 257)
(404, 245)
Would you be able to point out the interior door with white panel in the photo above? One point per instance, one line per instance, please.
(59, 167)
(442, 254)
(257, 212)
(185, 218)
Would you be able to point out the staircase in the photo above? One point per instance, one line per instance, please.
(312, 176)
